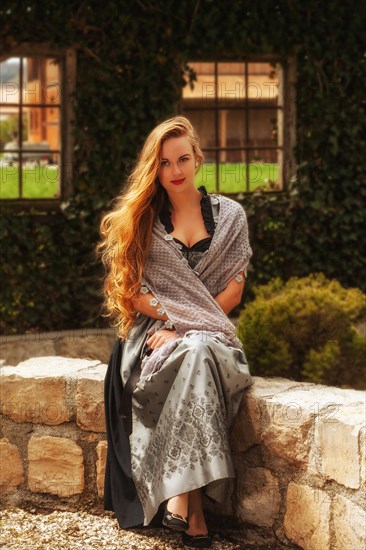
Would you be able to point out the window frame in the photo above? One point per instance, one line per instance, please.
(289, 113)
(67, 58)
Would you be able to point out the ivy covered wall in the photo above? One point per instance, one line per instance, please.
(130, 67)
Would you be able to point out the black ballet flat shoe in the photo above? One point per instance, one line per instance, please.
(175, 521)
(197, 541)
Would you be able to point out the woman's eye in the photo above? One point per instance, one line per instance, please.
(184, 159)
(164, 163)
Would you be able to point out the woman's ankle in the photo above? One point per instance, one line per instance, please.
(197, 523)
(178, 505)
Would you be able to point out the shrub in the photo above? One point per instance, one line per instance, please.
(305, 329)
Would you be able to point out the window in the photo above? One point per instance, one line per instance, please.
(36, 85)
(243, 118)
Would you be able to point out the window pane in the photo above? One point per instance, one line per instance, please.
(42, 179)
(9, 85)
(230, 83)
(40, 131)
(9, 132)
(9, 183)
(232, 175)
(43, 128)
(263, 128)
(41, 81)
(204, 124)
(30, 148)
(263, 83)
(207, 176)
(232, 132)
(235, 155)
(243, 120)
(264, 169)
(204, 88)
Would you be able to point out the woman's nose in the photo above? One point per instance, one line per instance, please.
(176, 169)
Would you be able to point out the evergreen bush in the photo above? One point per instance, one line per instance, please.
(306, 329)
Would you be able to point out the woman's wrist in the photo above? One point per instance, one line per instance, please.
(168, 325)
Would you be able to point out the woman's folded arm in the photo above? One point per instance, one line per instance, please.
(230, 297)
(147, 304)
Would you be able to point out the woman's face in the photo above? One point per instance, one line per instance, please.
(177, 164)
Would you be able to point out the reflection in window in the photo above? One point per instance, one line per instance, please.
(30, 123)
(237, 110)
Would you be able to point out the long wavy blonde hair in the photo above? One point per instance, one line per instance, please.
(126, 230)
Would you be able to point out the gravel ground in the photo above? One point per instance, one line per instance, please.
(34, 530)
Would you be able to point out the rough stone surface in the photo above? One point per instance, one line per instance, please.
(275, 414)
(349, 524)
(15, 351)
(270, 387)
(290, 417)
(11, 467)
(90, 346)
(56, 466)
(258, 496)
(87, 344)
(102, 448)
(363, 456)
(35, 390)
(246, 428)
(287, 434)
(90, 399)
(307, 517)
(337, 437)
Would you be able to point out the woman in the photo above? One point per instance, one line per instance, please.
(176, 261)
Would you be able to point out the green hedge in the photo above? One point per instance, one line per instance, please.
(129, 77)
(308, 329)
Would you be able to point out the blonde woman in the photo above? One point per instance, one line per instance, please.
(176, 261)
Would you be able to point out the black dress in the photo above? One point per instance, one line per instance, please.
(193, 253)
(120, 493)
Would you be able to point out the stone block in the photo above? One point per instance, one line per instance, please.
(16, 351)
(258, 496)
(349, 524)
(56, 466)
(270, 387)
(88, 346)
(11, 467)
(363, 457)
(337, 438)
(102, 449)
(307, 517)
(35, 390)
(90, 399)
(245, 431)
(289, 418)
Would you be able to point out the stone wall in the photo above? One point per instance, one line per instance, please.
(81, 344)
(298, 450)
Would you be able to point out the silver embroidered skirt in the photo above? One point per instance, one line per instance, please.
(181, 415)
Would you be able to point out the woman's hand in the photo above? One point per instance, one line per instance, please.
(161, 337)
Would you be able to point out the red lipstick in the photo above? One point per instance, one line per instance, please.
(177, 182)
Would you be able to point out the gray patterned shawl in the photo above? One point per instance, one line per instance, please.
(186, 294)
